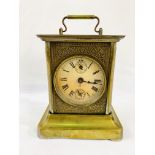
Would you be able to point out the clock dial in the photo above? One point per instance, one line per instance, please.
(79, 80)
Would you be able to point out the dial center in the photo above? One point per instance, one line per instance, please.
(80, 80)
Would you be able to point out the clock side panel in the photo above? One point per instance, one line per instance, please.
(101, 52)
(49, 62)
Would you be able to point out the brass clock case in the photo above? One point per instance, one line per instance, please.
(63, 118)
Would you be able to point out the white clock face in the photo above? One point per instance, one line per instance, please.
(79, 80)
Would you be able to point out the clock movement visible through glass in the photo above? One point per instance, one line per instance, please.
(79, 80)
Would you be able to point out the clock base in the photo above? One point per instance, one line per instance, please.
(78, 126)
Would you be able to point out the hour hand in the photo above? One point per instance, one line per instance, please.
(91, 82)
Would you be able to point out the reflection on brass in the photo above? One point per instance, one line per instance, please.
(80, 126)
(88, 69)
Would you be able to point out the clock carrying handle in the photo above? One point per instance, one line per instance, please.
(61, 30)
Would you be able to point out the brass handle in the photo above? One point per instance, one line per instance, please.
(80, 17)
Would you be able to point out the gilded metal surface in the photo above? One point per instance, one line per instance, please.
(80, 126)
(49, 74)
(80, 17)
(80, 38)
(111, 76)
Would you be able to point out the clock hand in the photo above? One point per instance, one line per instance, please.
(90, 82)
(81, 80)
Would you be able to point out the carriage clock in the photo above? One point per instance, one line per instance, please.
(80, 77)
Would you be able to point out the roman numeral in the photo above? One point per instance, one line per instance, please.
(94, 88)
(65, 70)
(96, 72)
(97, 81)
(80, 60)
(72, 64)
(63, 79)
(90, 64)
(65, 87)
(71, 93)
(88, 94)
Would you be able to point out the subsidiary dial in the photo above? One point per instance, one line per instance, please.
(81, 66)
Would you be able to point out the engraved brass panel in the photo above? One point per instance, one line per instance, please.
(98, 51)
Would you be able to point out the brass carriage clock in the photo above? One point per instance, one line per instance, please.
(80, 78)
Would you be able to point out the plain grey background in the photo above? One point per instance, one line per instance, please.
(44, 17)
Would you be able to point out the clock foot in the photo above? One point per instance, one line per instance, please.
(80, 126)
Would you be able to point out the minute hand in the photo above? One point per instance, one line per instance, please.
(91, 82)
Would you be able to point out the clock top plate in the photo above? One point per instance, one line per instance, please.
(80, 38)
